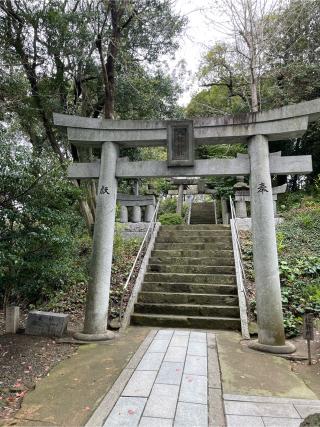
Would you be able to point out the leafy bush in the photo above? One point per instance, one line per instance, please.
(170, 218)
(170, 206)
(42, 248)
(298, 241)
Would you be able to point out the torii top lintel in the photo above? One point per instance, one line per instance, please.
(280, 124)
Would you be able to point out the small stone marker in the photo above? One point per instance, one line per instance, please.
(308, 332)
(12, 319)
(46, 323)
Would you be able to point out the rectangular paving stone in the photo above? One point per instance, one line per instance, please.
(281, 422)
(170, 373)
(179, 341)
(179, 332)
(164, 334)
(126, 412)
(198, 336)
(140, 384)
(305, 410)
(281, 410)
(214, 377)
(175, 354)
(268, 399)
(196, 348)
(158, 346)
(194, 389)
(150, 362)
(135, 359)
(215, 408)
(196, 365)
(162, 401)
(244, 421)
(191, 415)
(155, 422)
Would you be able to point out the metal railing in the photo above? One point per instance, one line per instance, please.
(240, 272)
(140, 254)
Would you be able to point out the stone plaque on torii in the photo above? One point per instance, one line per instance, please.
(254, 129)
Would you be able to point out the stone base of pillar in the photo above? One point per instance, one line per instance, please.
(136, 214)
(123, 214)
(149, 213)
(81, 336)
(287, 348)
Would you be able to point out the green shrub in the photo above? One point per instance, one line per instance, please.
(170, 218)
(42, 244)
(170, 206)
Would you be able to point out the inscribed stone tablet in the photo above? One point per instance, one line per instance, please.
(180, 143)
(46, 323)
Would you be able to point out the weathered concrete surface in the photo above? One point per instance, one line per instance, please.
(307, 108)
(74, 388)
(265, 256)
(248, 372)
(283, 123)
(97, 303)
(207, 167)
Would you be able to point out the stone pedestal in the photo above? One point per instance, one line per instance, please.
(275, 207)
(96, 316)
(268, 296)
(180, 199)
(123, 214)
(136, 214)
(12, 319)
(241, 208)
(149, 212)
(224, 211)
(46, 323)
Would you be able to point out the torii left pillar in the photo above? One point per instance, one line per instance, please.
(97, 305)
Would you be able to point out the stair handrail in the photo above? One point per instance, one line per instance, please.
(147, 236)
(240, 272)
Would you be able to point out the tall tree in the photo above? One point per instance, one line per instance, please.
(66, 56)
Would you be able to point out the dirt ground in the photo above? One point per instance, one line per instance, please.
(24, 360)
(309, 373)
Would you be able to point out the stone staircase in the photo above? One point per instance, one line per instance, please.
(202, 213)
(190, 281)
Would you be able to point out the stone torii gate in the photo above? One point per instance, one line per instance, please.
(254, 129)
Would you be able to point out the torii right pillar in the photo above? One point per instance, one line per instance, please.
(271, 336)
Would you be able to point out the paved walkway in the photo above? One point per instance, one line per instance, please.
(166, 383)
(174, 380)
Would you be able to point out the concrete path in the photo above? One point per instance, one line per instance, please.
(173, 379)
(258, 411)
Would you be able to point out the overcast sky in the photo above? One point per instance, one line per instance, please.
(199, 37)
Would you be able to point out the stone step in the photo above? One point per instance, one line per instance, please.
(188, 310)
(226, 279)
(197, 288)
(194, 269)
(181, 238)
(194, 254)
(186, 298)
(185, 321)
(193, 246)
(195, 233)
(195, 227)
(208, 261)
